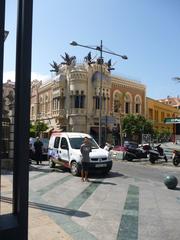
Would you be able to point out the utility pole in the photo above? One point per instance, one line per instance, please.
(100, 97)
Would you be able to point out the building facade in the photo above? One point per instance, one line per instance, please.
(172, 101)
(8, 119)
(71, 99)
(157, 111)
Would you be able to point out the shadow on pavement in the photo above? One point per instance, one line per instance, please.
(39, 168)
(104, 183)
(50, 208)
(100, 175)
(116, 174)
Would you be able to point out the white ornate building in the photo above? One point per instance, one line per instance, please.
(71, 99)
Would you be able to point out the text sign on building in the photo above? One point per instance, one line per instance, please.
(172, 120)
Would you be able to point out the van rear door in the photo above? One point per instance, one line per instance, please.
(53, 150)
(64, 151)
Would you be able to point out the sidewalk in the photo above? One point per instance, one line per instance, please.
(41, 226)
(118, 207)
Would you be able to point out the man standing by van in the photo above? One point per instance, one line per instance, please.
(38, 150)
(85, 150)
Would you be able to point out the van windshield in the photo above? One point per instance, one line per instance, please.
(76, 143)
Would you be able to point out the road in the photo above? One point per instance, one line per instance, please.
(142, 168)
(131, 203)
(145, 170)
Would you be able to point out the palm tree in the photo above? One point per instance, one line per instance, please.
(67, 59)
(176, 79)
(55, 67)
(88, 59)
(109, 66)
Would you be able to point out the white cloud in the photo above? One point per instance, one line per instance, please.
(39, 76)
(10, 75)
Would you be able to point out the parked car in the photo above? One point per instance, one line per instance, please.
(45, 142)
(64, 149)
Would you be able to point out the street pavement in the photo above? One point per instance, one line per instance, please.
(115, 207)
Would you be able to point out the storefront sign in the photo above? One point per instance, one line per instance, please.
(172, 120)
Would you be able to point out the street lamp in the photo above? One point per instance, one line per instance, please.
(120, 127)
(100, 61)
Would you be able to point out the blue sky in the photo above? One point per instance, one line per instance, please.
(147, 31)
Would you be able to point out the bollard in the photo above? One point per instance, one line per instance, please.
(170, 182)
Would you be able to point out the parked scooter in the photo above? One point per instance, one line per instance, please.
(176, 157)
(135, 153)
(108, 147)
(157, 153)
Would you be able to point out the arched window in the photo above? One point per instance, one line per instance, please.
(40, 105)
(116, 101)
(46, 104)
(127, 103)
(138, 104)
(79, 100)
(32, 111)
(62, 99)
(97, 102)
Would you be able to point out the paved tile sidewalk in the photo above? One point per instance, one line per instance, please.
(41, 226)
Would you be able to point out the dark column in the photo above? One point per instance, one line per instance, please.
(22, 114)
(2, 16)
(15, 226)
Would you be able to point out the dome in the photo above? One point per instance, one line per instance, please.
(97, 76)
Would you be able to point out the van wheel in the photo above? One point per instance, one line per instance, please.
(74, 169)
(105, 172)
(51, 163)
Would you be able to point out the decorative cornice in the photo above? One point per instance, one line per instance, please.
(127, 83)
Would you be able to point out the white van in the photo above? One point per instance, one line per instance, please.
(64, 149)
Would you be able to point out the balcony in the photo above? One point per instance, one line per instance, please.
(78, 111)
(96, 112)
(58, 112)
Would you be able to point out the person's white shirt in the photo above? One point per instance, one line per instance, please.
(107, 146)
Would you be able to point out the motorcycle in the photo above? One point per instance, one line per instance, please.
(176, 157)
(135, 153)
(157, 153)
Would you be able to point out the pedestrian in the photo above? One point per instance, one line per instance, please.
(31, 153)
(85, 150)
(38, 150)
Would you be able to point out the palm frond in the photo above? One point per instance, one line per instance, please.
(176, 79)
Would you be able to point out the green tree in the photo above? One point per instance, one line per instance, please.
(162, 135)
(135, 125)
(37, 128)
(32, 132)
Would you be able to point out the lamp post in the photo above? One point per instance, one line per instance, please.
(120, 127)
(100, 61)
